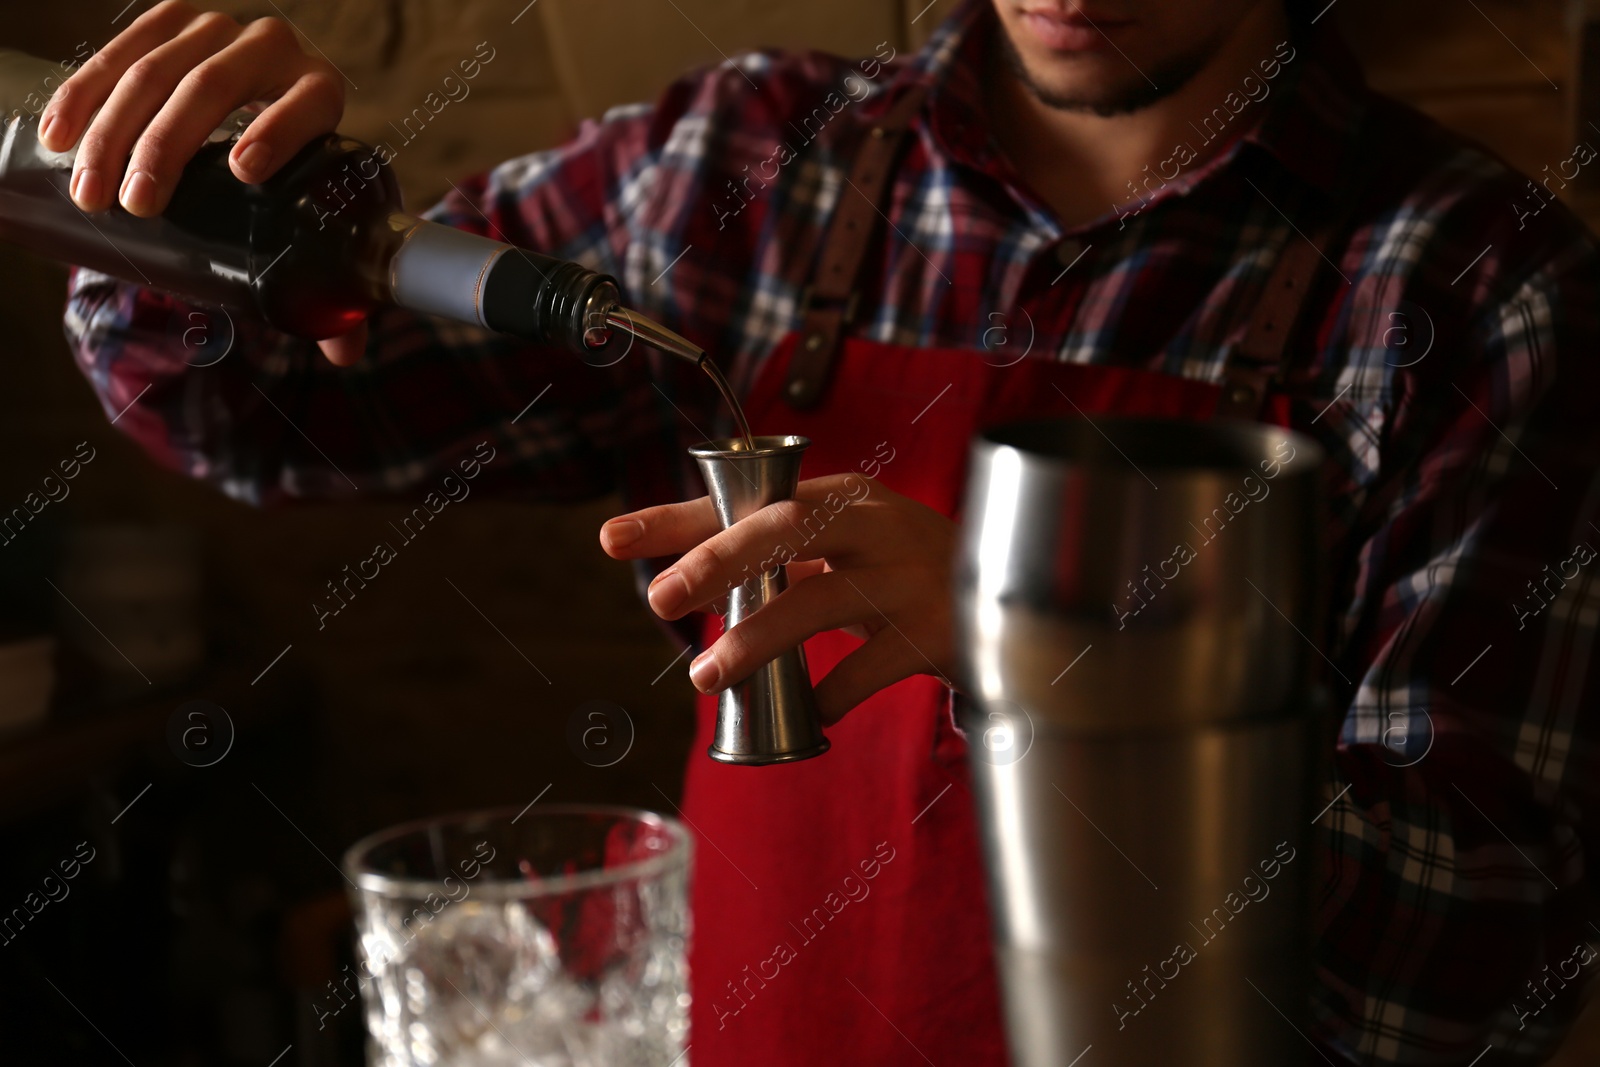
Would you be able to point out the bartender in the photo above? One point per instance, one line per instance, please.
(1048, 210)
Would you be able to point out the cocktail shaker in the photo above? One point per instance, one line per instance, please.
(771, 716)
(1136, 606)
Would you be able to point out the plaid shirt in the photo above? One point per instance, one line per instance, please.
(1440, 362)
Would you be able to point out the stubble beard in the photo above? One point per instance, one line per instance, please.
(1135, 94)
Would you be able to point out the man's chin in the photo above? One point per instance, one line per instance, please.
(1090, 87)
(1097, 83)
(1104, 97)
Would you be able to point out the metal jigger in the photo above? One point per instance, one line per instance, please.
(771, 716)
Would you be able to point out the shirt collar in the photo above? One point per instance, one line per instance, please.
(1309, 123)
(1314, 129)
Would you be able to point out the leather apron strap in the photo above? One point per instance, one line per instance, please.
(829, 302)
(1257, 363)
(828, 305)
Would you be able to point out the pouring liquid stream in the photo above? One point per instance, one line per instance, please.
(721, 382)
(653, 333)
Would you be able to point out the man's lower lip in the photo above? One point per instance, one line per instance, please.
(1071, 36)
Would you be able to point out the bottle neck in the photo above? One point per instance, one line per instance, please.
(439, 270)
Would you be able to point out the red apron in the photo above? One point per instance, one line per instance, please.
(839, 903)
(839, 906)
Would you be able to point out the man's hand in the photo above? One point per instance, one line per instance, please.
(146, 102)
(860, 558)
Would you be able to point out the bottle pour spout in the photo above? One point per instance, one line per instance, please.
(653, 333)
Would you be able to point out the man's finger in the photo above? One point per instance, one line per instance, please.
(67, 115)
(850, 485)
(672, 529)
(777, 534)
(311, 107)
(826, 602)
(659, 531)
(346, 348)
(885, 659)
(801, 569)
(134, 101)
(262, 63)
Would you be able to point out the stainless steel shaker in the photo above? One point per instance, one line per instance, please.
(771, 716)
(1135, 613)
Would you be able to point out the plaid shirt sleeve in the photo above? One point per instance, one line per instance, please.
(273, 419)
(1455, 912)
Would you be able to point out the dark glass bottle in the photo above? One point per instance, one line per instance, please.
(311, 251)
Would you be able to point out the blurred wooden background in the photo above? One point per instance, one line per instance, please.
(424, 707)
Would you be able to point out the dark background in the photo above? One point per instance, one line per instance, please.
(212, 913)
